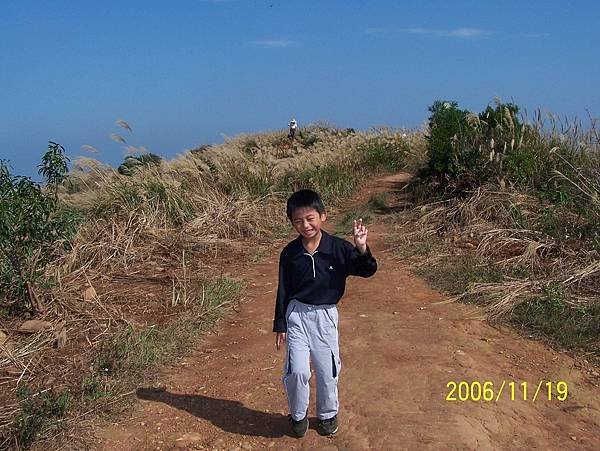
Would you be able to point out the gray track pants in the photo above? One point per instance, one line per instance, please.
(312, 331)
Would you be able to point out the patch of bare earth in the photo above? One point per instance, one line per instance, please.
(400, 346)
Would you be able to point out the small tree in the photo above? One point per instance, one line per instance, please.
(456, 145)
(31, 224)
(54, 165)
(447, 125)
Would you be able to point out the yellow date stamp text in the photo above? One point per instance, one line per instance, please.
(488, 391)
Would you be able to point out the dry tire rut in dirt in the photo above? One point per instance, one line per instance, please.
(400, 345)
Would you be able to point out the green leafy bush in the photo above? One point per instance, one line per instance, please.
(132, 163)
(33, 225)
(449, 152)
(466, 150)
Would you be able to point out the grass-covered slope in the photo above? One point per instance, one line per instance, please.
(136, 273)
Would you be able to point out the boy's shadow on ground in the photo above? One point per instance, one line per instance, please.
(230, 416)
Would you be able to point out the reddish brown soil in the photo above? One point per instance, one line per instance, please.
(400, 345)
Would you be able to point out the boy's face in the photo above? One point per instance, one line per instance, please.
(308, 221)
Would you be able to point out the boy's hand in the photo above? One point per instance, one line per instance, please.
(279, 338)
(360, 236)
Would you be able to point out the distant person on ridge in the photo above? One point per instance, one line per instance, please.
(312, 278)
(293, 126)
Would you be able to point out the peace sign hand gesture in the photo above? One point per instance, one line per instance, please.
(360, 233)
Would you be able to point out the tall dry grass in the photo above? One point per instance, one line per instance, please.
(533, 215)
(152, 244)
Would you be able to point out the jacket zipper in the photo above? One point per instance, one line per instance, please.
(313, 262)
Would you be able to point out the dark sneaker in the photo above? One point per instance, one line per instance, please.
(299, 428)
(327, 427)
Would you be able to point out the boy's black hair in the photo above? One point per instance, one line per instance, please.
(305, 198)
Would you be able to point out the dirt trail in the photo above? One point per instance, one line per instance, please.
(400, 345)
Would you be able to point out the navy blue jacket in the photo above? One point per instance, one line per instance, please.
(319, 278)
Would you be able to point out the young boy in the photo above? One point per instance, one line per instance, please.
(312, 278)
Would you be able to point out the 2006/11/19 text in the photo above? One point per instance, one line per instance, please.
(521, 391)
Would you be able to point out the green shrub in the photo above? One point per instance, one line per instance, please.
(132, 163)
(33, 225)
(467, 150)
(450, 153)
(308, 139)
(54, 165)
(497, 120)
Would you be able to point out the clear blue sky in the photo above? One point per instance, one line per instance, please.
(184, 72)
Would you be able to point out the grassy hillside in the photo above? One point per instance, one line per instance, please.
(126, 266)
(506, 214)
(137, 276)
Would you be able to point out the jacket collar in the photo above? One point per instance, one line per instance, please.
(325, 245)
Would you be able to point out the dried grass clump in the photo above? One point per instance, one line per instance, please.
(581, 288)
(552, 236)
(493, 222)
(482, 208)
(521, 247)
